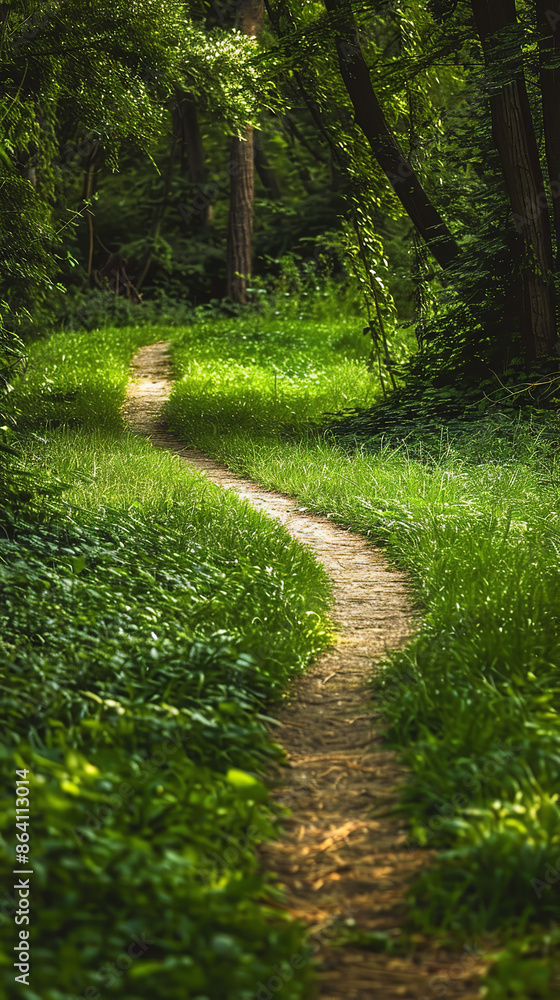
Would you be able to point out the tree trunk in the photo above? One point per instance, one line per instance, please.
(548, 22)
(242, 169)
(266, 174)
(370, 118)
(187, 130)
(514, 135)
(159, 215)
(240, 221)
(189, 136)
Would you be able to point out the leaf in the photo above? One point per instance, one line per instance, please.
(241, 779)
(78, 564)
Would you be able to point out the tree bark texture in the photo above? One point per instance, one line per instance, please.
(548, 22)
(369, 117)
(242, 170)
(514, 136)
(189, 136)
(240, 221)
(187, 130)
(266, 174)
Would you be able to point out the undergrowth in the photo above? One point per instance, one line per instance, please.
(149, 623)
(432, 395)
(470, 510)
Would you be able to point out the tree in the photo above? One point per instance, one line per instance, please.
(63, 103)
(189, 135)
(77, 77)
(242, 169)
(514, 136)
(548, 22)
(384, 146)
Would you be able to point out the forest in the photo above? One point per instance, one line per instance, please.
(279, 499)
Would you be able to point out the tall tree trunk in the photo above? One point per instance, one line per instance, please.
(240, 221)
(370, 118)
(514, 135)
(266, 174)
(548, 22)
(159, 215)
(249, 20)
(187, 131)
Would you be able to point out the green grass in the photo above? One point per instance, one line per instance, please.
(264, 374)
(472, 702)
(150, 621)
(77, 379)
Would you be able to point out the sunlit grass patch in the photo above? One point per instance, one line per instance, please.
(472, 701)
(264, 570)
(267, 378)
(77, 379)
(149, 622)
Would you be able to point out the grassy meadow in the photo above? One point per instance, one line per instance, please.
(473, 701)
(151, 623)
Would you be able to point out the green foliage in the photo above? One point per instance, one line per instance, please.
(222, 69)
(18, 485)
(77, 379)
(69, 108)
(12, 362)
(148, 623)
(471, 511)
(432, 397)
(55, 90)
(266, 375)
(96, 309)
(519, 970)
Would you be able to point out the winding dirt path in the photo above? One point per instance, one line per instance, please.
(342, 857)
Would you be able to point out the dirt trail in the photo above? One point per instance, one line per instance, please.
(343, 855)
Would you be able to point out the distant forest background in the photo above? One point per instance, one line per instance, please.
(399, 159)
